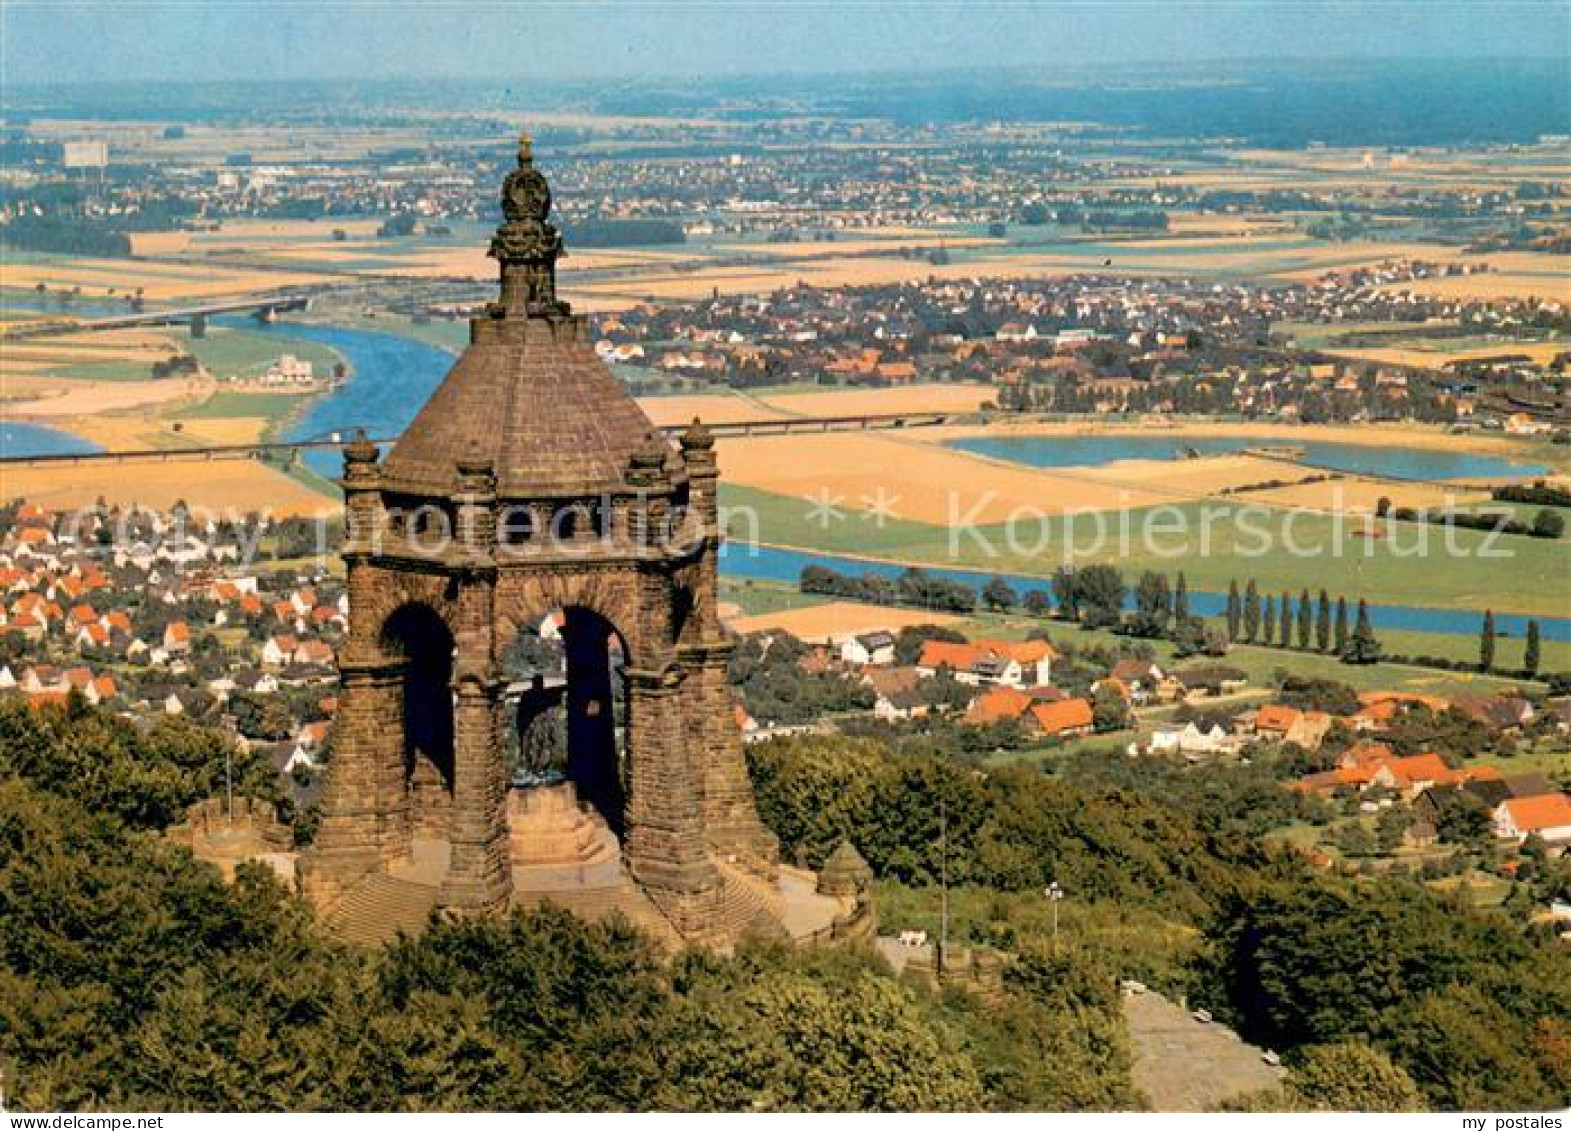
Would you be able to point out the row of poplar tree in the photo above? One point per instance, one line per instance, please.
(1311, 626)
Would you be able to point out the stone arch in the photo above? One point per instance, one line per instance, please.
(422, 645)
(523, 600)
(578, 711)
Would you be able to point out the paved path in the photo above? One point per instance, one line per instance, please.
(1186, 1065)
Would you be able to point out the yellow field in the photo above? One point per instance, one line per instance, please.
(921, 480)
(1359, 496)
(1494, 285)
(1541, 353)
(871, 402)
(61, 396)
(836, 620)
(222, 485)
(1195, 477)
(917, 481)
(711, 408)
(809, 248)
(1388, 435)
(157, 281)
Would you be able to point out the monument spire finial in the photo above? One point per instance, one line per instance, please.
(527, 244)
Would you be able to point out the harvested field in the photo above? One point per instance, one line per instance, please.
(1195, 477)
(157, 281)
(1406, 436)
(1357, 495)
(810, 249)
(837, 619)
(711, 408)
(224, 430)
(871, 402)
(237, 485)
(67, 397)
(1494, 285)
(1418, 356)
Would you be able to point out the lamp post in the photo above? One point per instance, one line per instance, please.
(1054, 894)
(943, 883)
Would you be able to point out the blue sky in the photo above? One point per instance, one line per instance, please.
(61, 41)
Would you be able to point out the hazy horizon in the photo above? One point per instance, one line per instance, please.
(175, 42)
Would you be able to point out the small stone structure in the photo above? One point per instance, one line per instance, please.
(845, 873)
(225, 835)
(532, 484)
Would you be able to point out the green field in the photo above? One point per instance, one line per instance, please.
(228, 404)
(1519, 574)
(231, 353)
(759, 596)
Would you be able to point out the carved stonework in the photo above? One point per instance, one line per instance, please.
(531, 483)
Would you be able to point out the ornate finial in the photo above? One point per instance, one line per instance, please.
(697, 437)
(360, 449)
(651, 454)
(527, 245)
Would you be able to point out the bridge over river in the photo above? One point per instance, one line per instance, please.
(342, 438)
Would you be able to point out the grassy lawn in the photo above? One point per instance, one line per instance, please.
(1548, 756)
(228, 352)
(756, 596)
(120, 370)
(227, 404)
(1411, 567)
(1262, 664)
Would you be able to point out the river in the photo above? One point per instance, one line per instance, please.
(777, 563)
(392, 376)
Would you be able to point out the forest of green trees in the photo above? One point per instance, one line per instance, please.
(132, 976)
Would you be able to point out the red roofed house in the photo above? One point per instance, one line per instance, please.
(177, 637)
(1063, 719)
(1273, 720)
(997, 704)
(1024, 663)
(1548, 815)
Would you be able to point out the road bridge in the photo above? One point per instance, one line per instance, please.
(291, 449)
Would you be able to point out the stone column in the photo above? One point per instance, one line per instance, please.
(664, 843)
(365, 813)
(731, 825)
(478, 878)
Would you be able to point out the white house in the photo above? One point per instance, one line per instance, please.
(868, 648)
(1547, 814)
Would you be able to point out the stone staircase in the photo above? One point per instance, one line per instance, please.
(749, 905)
(377, 908)
(615, 895)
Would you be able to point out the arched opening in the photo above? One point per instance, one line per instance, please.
(419, 637)
(566, 702)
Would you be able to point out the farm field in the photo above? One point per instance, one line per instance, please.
(711, 408)
(927, 482)
(157, 281)
(872, 402)
(224, 486)
(1211, 552)
(835, 619)
(1260, 662)
(99, 386)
